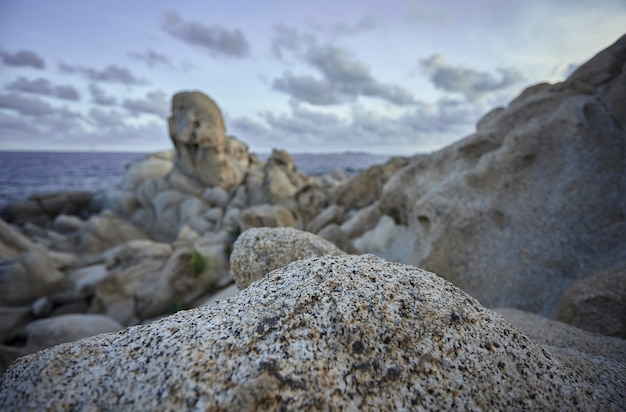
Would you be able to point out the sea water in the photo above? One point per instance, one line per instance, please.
(25, 173)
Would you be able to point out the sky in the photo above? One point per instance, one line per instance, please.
(392, 77)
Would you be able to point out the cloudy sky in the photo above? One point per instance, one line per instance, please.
(393, 77)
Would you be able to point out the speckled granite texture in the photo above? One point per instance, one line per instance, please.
(329, 333)
(258, 251)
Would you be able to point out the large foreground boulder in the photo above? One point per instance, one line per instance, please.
(532, 202)
(329, 333)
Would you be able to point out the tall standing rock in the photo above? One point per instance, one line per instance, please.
(199, 136)
(532, 202)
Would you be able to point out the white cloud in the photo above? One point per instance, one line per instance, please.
(156, 103)
(112, 74)
(344, 78)
(22, 58)
(44, 87)
(220, 42)
(469, 82)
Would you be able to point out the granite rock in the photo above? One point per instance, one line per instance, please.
(597, 303)
(12, 242)
(532, 202)
(329, 333)
(258, 251)
(29, 277)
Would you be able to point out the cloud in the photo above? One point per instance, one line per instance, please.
(25, 105)
(104, 129)
(467, 81)
(220, 41)
(421, 128)
(112, 74)
(151, 58)
(287, 39)
(99, 96)
(44, 87)
(156, 103)
(343, 80)
(22, 58)
(107, 118)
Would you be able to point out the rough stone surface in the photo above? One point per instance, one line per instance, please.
(532, 202)
(597, 303)
(330, 333)
(258, 251)
(594, 357)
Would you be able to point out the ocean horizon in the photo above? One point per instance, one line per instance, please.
(25, 173)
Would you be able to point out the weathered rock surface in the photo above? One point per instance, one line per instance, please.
(532, 202)
(258, 251)
(597, 303)
(330, 333)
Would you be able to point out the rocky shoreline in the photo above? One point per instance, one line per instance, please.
(528, 213)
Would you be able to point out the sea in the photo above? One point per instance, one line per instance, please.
(23, 174)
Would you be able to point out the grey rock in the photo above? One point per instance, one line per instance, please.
(31, 276)
(12, 242)
(67, 223)
(259, 251)
(48, 332)
(597, 303)
(330, 333)
(42, 307)
(13, 320)
(332, 214)
(266, 216)
(104, 231)
(528, 205)
(336, 236)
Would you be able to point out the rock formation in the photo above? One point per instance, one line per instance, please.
(532, 202)
(259, 251)
(528, 212)
(330, 333)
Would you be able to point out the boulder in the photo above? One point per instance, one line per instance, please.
(329, 333)
(531, 203)
(202, 149)
(366, 187)
(266, 216)
(151, 167)
(282, 181)
(361, 221)
(13, 320)
(560, 337)
(45, 333)
(336, 236)
(332, 214)
(104, 231)
(12, 242)
(42, 208)
(31, 276)
(259, 251)
(131, 268)
(597, 303)
(67, 223)
(187, 274)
